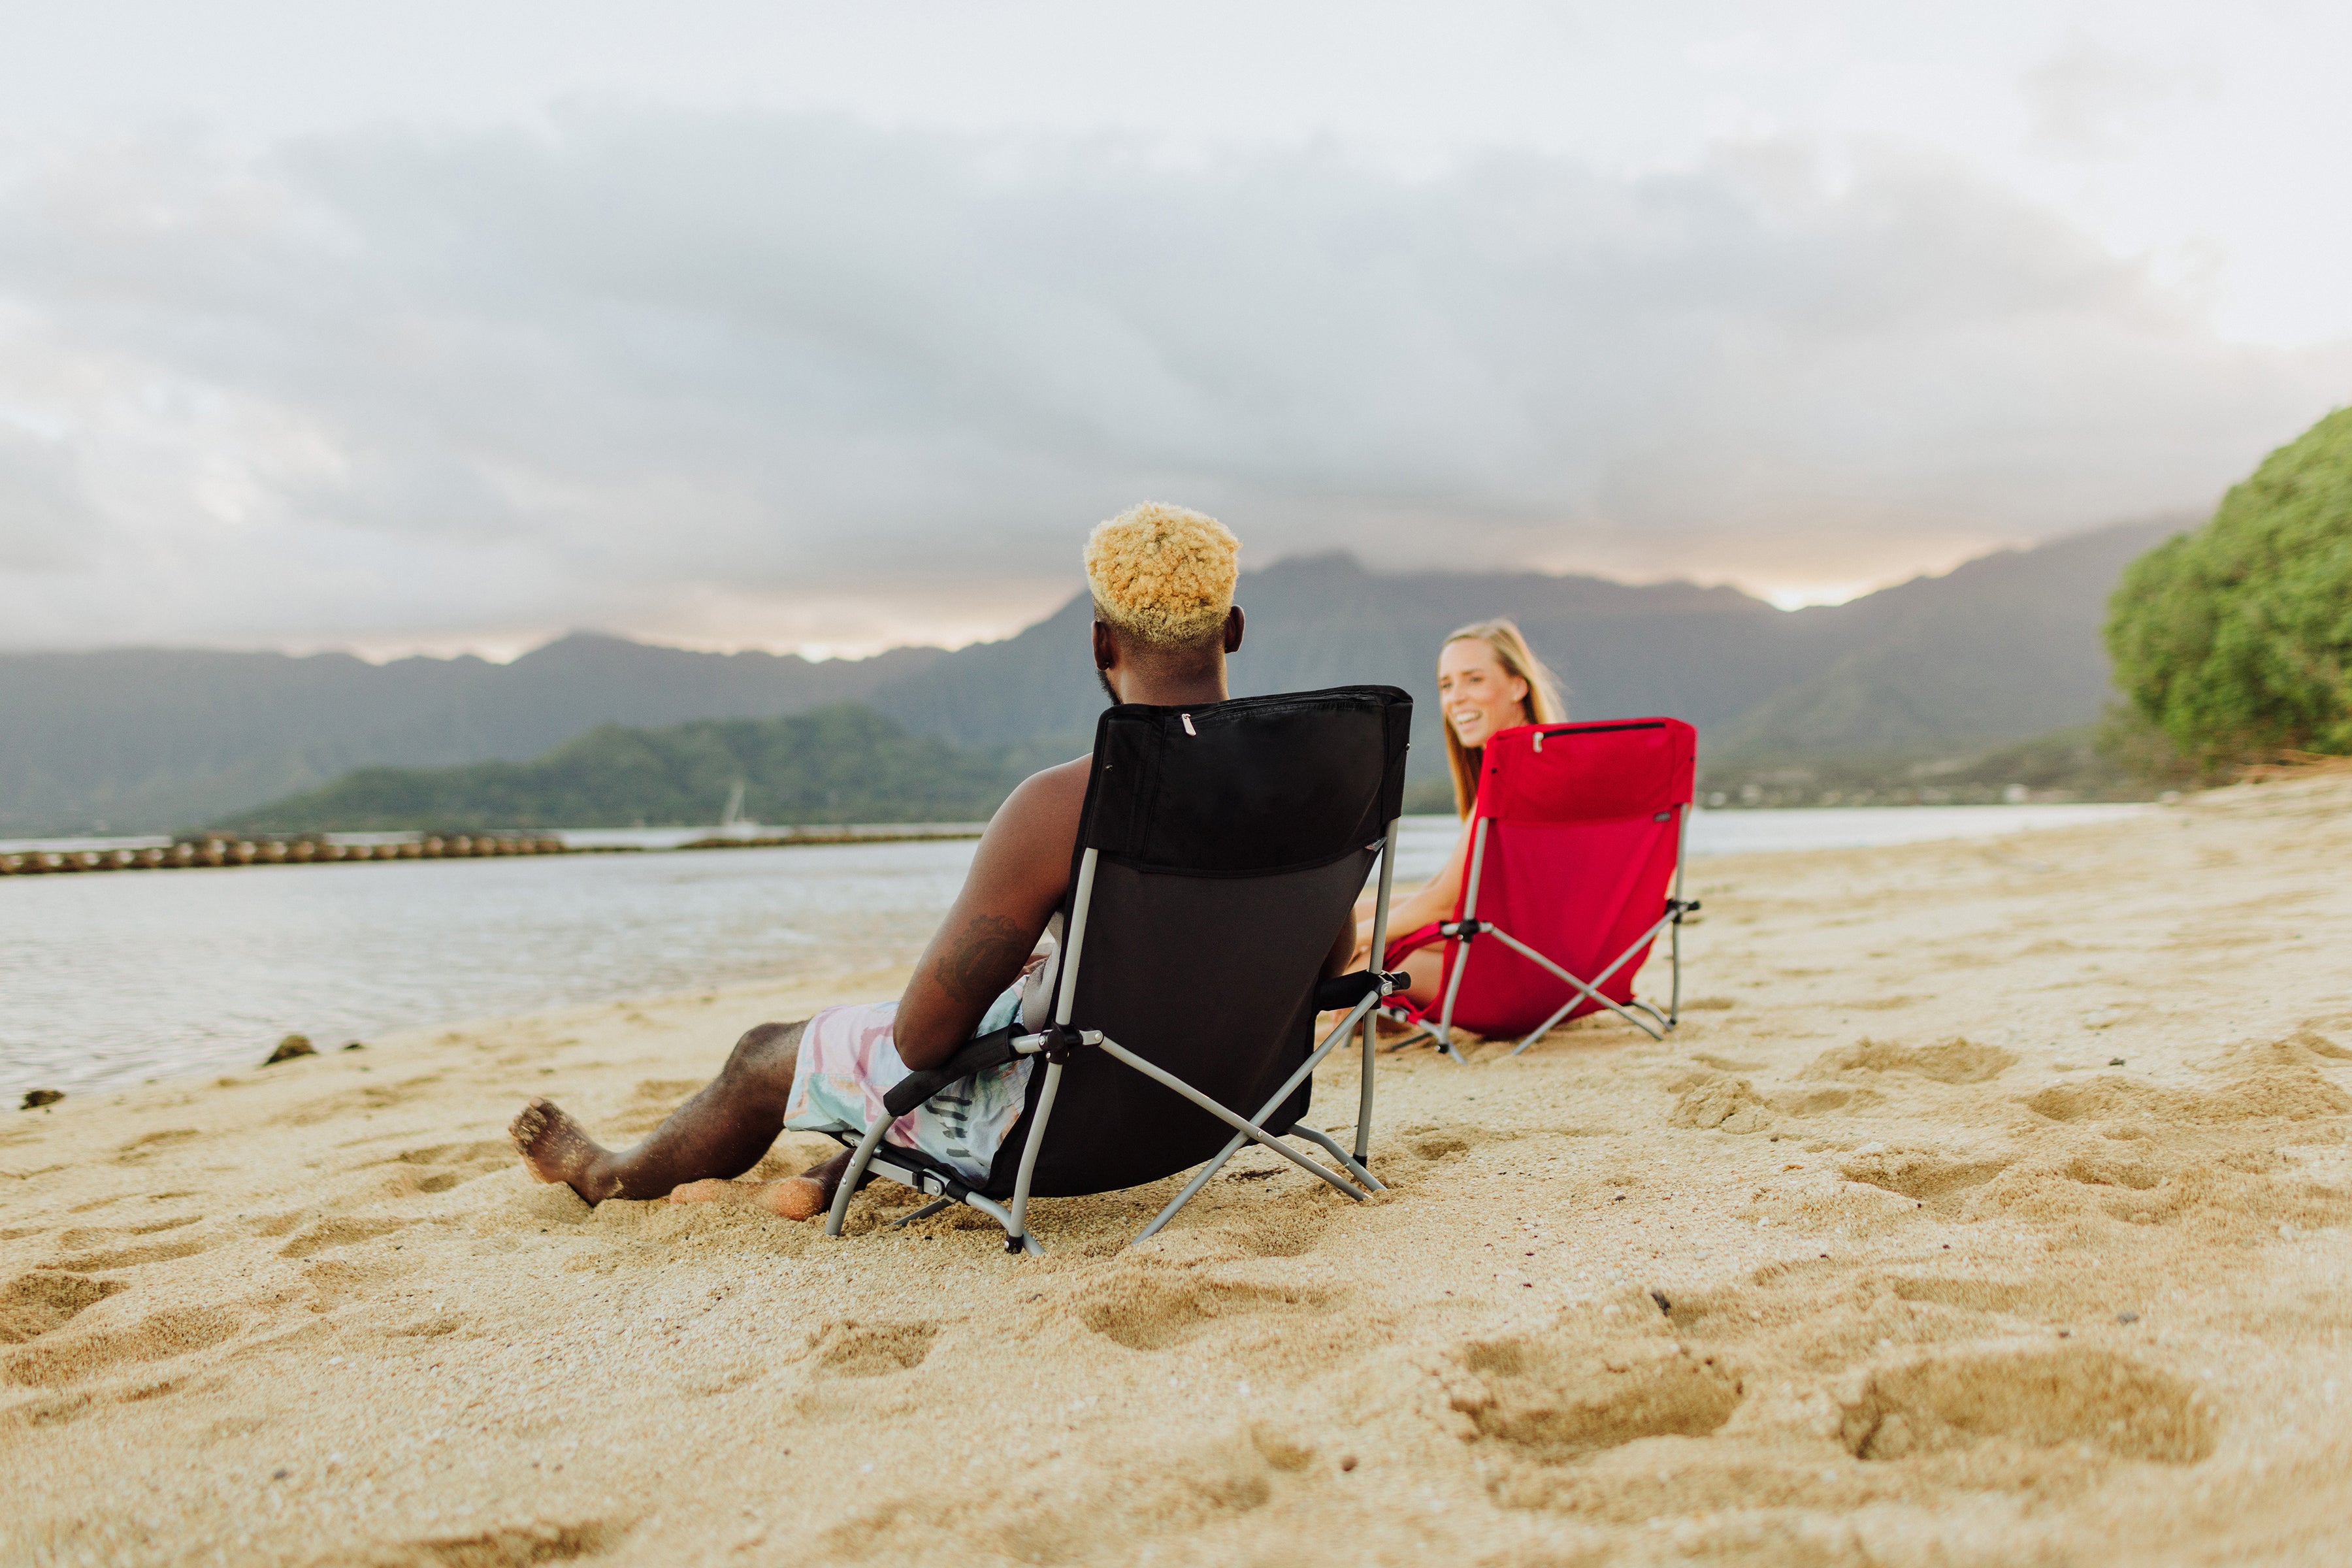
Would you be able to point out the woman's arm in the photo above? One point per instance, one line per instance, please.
(1433, 900)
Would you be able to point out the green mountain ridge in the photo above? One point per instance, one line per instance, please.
(838, 764)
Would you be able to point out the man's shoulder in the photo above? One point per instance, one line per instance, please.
(1049, 797)
(1061, 788)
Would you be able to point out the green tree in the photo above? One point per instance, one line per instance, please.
(2236, 640)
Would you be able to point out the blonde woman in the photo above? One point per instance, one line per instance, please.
(1487, 680)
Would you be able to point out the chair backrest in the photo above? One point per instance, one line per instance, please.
(1230, 844)
(1583, 827)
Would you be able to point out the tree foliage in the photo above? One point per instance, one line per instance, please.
(2236, 640)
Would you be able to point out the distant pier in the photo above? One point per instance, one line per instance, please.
(225, 852)
(274, 852)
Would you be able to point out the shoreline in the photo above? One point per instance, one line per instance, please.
(1895, 1198)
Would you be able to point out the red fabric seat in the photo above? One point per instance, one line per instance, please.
(1575, 842)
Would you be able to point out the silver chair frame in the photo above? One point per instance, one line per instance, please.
(1462, 932)
(1056, 1043)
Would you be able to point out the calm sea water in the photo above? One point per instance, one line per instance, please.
(114, 978)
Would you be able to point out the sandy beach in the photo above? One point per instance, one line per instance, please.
(1989, 1207)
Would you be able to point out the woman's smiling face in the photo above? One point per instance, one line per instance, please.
(1475, 693)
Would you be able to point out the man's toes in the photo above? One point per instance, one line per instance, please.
(528, 1123)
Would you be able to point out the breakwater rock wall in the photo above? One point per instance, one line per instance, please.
(273, 852)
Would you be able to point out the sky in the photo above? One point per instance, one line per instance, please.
(448, 328)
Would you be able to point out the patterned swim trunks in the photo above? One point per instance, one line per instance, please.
(848, 1061)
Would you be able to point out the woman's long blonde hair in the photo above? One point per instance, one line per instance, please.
(1542, 704)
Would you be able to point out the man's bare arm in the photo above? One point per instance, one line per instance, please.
(1016, 881)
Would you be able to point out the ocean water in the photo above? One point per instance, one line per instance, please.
(123, 976)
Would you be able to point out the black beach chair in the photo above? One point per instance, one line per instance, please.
(1220, 851)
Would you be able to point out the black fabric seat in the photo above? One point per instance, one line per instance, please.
(1220, 854)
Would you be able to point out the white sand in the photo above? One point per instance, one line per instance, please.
(1942, 1286)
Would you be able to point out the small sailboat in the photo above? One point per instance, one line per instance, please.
(732, 822)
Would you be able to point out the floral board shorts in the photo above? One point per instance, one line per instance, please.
(848, 1061)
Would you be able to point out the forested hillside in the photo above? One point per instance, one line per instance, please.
(843, 763)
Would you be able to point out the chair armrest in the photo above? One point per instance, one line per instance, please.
(977, 1055)
(1343, 991)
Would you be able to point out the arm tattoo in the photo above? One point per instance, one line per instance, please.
(983, 959)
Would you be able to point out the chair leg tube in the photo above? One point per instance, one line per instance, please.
(1017, 1222)
(1378, 963)
(855, 1173)
(1027, 1244)
(1453, 989)
(1461, 944)
(926, 1212)
(1681, 844)
(1338, 1152)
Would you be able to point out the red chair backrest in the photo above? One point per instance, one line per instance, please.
(1583, 828)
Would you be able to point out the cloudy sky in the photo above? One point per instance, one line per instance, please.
(449, 327)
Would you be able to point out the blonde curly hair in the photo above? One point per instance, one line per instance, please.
(1162, 574)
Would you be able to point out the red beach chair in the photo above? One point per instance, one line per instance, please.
(1575, 867)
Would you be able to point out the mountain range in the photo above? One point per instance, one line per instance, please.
(2002, 649)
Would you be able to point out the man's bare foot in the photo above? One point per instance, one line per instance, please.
(554, 1148)
(795, 1197)
(803, 1196)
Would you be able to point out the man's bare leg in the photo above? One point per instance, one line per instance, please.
(721, 1133)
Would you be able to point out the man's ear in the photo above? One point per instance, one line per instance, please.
(1234, 629)
(1105, 647)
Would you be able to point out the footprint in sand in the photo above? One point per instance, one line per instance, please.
(2269, 1093)
(61, 1360)
(517, 1547)
(330, 1233)
(147, 1147)
(1956, 1060)
(1146, 1313)
(1413, 1153)
(438, 1167)
(45, 1300)
(1821, 1102)
(872, 1350)
(1919, 1175)
(131, 1256)
(356, 1101)
(2038, 1397)
(1709, 1101)
(485, 1151)
(1554, 1402)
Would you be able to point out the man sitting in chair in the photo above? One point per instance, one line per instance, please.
(1164, 621)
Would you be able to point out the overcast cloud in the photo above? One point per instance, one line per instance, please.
(800, 379)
